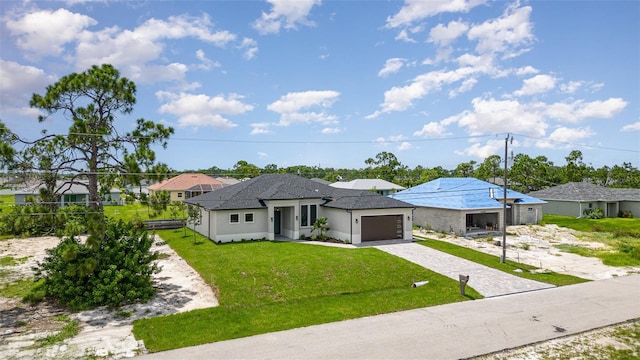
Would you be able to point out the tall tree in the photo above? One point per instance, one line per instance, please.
(94, 149)
(385, 166)
(7, 152)
(576, 170)
(530, 174)
(243, 169)
(465, 169)
(490, 168)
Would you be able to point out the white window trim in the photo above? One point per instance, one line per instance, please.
(234, 222)
(253, 216)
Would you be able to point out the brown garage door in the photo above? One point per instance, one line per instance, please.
(385, 227)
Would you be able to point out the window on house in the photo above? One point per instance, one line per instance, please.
(234, 218)
(530, 209)
(590, 206)
(179, 195)
(314, 213)
(304, 217)
(248, 217)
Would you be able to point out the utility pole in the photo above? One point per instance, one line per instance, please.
(503, 259)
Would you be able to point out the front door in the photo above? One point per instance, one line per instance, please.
(276, 221)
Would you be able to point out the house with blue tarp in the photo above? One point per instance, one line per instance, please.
(468, 206)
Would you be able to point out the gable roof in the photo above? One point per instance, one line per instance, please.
(184, 182)
(63, 188)
(461, 194)
(367, 184)
(582, 191)
(252, 194)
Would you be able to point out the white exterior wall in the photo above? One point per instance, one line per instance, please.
(340, 221)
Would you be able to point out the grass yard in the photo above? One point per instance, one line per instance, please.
(622, 236)
(494, 262)
(611, 225)
(135, 211)
(266, 286)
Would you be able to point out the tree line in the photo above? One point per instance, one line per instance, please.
(524, 173)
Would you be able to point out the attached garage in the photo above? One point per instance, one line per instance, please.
(382, 227)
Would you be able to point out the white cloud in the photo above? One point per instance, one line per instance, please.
(499, 116)
(205, 63)
(571, 87)
(466, 85)
(202, 110)
(331, 130)
(432, 129)
(631, 127)
(250, 47)
(261, 128)
(45, 32)
(526, 70)
(403, 35)
(504, 34)
(401, 98)
(404, 146)
(443, 35)
(285, 13)
(580, 110)
(417, 10)
(564, 137)
(262, 155)
(536, 85)
(391, 66)
(483, 151)
(381, 141)
(18, 83)
(290, 107)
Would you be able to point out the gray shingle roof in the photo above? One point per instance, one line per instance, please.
(580, 191)
(250, 194)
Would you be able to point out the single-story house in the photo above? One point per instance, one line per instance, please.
(382, 187)
(285, 206)
(68, 193)
(465, 206)
(572, 199)
(184, 186)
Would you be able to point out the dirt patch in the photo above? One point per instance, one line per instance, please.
(535, 245)
(103, 333)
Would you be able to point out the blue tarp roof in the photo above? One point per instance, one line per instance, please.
(461, 194)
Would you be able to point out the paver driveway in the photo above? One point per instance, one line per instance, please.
(485, 280)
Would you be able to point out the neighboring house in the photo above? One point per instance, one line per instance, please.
(68, 194)
(183, 186)
(227, 180)
(465, 206)
(572, 199)
(285, 206)
(380, 186)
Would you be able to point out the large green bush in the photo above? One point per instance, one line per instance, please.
(115, 272)
(35, 219)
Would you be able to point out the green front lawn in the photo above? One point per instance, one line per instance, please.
(611, 225)
(492, 261)
(266, 286)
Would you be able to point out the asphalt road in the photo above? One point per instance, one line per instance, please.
(452, 331)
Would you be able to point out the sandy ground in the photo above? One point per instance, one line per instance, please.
(106, 335)
(103, 333)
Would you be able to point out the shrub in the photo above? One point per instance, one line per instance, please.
(595, 213)
(627, 247)
(625, 214)
(115, 272)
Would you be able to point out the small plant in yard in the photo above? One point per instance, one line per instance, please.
(321, 224)
(525, 246)
(69, 330)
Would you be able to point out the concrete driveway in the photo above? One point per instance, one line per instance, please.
(485, 280)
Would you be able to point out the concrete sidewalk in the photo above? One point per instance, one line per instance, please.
(485, 280)
(453, 331)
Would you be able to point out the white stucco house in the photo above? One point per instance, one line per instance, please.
(284, 206)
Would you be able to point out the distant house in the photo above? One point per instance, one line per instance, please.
(184, 186)
(285, 206)
(572, 199)
(379, 186)
(68, 193)
(465, 206)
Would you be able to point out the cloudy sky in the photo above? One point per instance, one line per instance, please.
(331, 83)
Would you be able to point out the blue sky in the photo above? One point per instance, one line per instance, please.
(332, 83)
